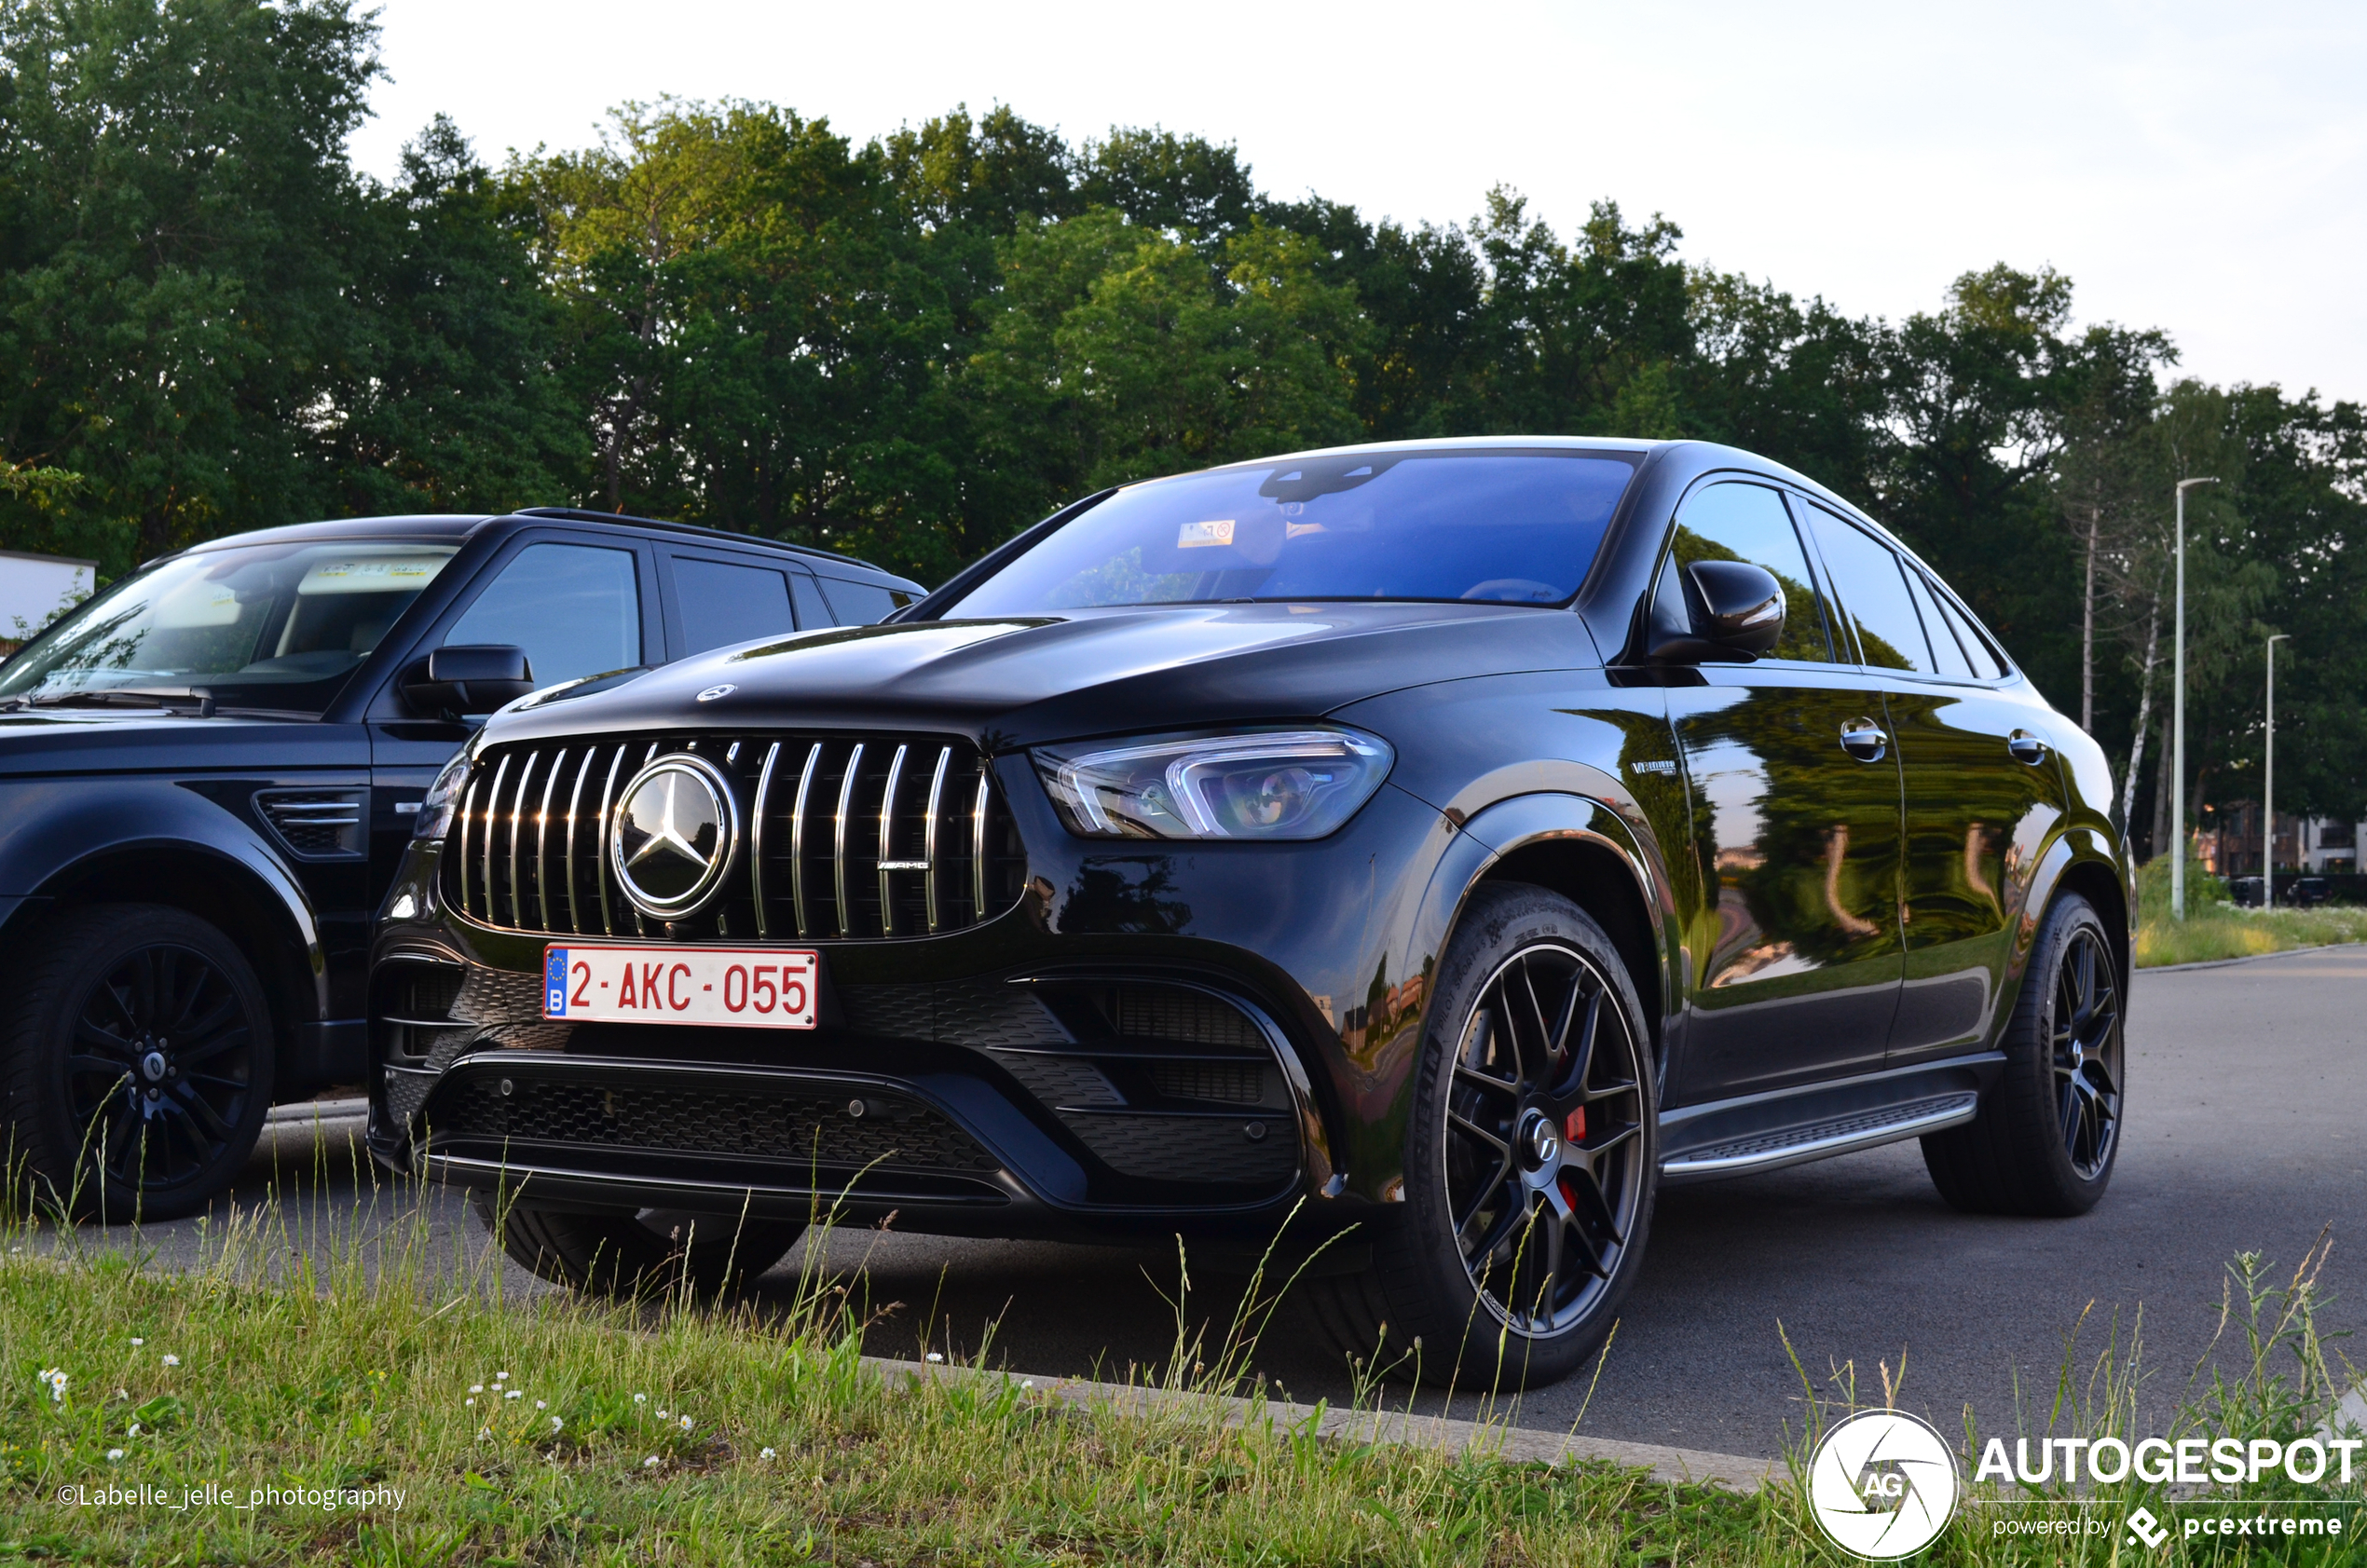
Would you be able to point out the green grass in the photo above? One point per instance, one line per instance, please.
(2215, 927)
(355, 1372)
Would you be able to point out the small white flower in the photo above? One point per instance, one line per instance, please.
(1027, 1382)
(57, 1379)
(483, 1432)
(114, 1454)
(661, 1415)
(136, 1343)
(122, 1394)
(476, 1388)
(556, 1423)
(650, 1463)
(768, 1454)
(686, 1423)
(512, 1394)
(135, 1430)
(501, 1377)
(640, 1398)
(171, 1360)
(467, 1401)
(540, 1405)
(934, 1356)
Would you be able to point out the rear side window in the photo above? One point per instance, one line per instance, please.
(1946, 655)
(811, 611)
(1978, 649)
(724, 604)
(1734, 522)
(858, 603)
(575, 608)
(1872, 591)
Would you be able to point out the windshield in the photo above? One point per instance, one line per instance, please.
(274, 626)
(1515, 527)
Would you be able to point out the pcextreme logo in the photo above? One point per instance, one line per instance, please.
(1882, 1485)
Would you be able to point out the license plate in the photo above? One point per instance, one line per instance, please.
(723, 986)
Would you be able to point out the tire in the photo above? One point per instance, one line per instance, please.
(2049, 1130)
(135, 1063)
(1501, 1301)
(627, 1255)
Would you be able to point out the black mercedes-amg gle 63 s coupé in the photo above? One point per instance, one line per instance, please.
(1434, 847)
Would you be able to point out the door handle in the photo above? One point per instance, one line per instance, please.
(2026, 747)
(1865, 740)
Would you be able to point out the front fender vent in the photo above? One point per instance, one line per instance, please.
(318, 823)
(843, 837)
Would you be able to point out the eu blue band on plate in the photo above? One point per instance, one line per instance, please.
(554, 982)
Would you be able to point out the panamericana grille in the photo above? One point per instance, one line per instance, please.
(860, 836)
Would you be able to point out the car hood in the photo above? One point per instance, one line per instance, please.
(1021, 681)
(35, 742)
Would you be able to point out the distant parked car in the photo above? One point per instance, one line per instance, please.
(208, 772)
(2307, 892)
(1438, 845)
(2245, 890)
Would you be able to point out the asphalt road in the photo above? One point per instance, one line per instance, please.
(2246, 1131)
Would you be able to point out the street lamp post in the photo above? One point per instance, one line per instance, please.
(2178, 726)
(2268, 786)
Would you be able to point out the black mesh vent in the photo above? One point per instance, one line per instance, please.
(1204, 1150)
(793, 1127)
(842, 837)
(1221, 1082)
(317, 825)
(1172, 1013)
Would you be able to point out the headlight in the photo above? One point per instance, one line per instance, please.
(1296, 783)
(443, 797)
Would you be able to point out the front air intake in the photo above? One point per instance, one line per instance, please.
(855, 838)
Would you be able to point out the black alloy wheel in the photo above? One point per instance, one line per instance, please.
(1544, 1140)
(2086, 1047)
(1531, 1160)
(138, 1065)
(2049, 1130)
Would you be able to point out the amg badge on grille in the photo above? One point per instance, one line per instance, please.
(673, 833)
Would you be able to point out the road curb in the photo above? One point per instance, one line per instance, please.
(2247, 957)
(1439, 1434)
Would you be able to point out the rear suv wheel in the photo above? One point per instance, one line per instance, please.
(1530, 1161)
(2049, 1129)
(135, 1066)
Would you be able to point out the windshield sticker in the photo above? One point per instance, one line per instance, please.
(401, 575)
(199, 604)
(1192, 536)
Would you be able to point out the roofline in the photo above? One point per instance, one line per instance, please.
(581, 514)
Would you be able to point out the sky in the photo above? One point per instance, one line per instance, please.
(2197, 168)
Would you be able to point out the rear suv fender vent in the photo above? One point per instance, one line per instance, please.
(847, 837)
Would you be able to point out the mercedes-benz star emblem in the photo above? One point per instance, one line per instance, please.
(674, 835)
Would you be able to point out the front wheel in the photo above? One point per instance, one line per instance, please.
(2049, 1129)
(1531, 1160)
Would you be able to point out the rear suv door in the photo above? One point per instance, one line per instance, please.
(1982, 787)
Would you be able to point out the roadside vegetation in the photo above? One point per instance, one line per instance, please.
(374, 1358)
(2217, 927)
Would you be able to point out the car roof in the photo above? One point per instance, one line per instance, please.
(454, 527)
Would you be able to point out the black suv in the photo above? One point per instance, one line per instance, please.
(207, 779)
(1450, 843)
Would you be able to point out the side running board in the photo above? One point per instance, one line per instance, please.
(1818, 1141)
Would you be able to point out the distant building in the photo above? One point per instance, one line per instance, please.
(34, 588)
(2229, 842)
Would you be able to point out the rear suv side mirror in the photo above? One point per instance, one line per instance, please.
(1716, 609)
(468, 678)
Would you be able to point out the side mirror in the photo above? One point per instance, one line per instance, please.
(1719, 609)
(468, 678)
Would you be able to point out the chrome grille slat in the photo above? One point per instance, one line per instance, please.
(575, 810)
(542, 840)
(756, 831)
(838, 851)
(492, 809)
(887, 849)
(901, 806)
(928, 840)
(600, 848)
(797, 836)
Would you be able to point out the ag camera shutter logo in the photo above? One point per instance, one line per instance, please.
(1882, 1485)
